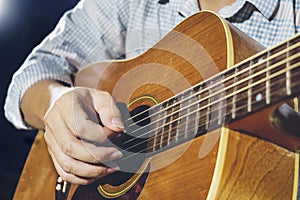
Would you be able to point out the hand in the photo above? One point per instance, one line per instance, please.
(78, 121)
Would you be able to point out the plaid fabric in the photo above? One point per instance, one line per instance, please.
(268, 22)
(98, 30)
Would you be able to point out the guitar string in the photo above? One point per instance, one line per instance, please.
(223, 80)
(246, 61)
(177, 142)
(279, 73)
(257, 64)
(200, 123)
(222, 91)
(237, 92)
(225, 89)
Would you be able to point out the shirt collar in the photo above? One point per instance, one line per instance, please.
(268, 8)
(189, 7)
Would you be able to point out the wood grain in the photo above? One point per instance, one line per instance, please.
(222, 164)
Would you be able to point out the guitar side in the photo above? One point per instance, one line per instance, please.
(223, 164)
(38, 178)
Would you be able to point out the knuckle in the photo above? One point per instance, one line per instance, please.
(96, 157)
(58, 104)
(81, 130)
(100, 158)
(67, 166)
(96, 173)
(105, 94)
(67, 149)
(104, 172)
(101, 137)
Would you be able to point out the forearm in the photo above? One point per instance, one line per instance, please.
(37, 100)
(65, 51)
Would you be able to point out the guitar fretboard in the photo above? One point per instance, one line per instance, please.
(260, 81)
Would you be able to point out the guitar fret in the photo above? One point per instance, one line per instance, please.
(170, 127)
(222, 102)
(177, 130)
(162, 134)
(218, 95)
(192, 114)
(198, 121)
(207, 114)
(228, 82)
(220, 113)
(268, 99)
(186, 114)
(202, 96)
(233, 112)
(157, 128)
(241, 92)
(258, 91)
(249, 107)
(154, 139)
(180, 127)
(194, 107)
(173, 120)
(208, 109)
(191, 103)
(288, 72)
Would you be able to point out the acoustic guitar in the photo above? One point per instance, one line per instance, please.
(209, 114)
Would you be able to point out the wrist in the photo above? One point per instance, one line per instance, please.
(37, 100)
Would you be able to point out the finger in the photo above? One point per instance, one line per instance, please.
(68, 166)
(68, 141)
(63, 113)
(79, 149)
(83, 120)
(81, 126)
(68, 176)
(108, 111)
(71, 178)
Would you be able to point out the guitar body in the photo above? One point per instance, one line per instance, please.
(224, 163)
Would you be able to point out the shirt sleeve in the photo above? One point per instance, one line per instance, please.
(92, 31)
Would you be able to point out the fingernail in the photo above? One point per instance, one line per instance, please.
(115, 155)
(113, 169)
(118, 123)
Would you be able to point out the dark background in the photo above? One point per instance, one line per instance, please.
(23, 24)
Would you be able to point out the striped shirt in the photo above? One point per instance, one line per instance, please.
(98, 30)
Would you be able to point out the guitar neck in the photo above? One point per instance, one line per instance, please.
(257, 83)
